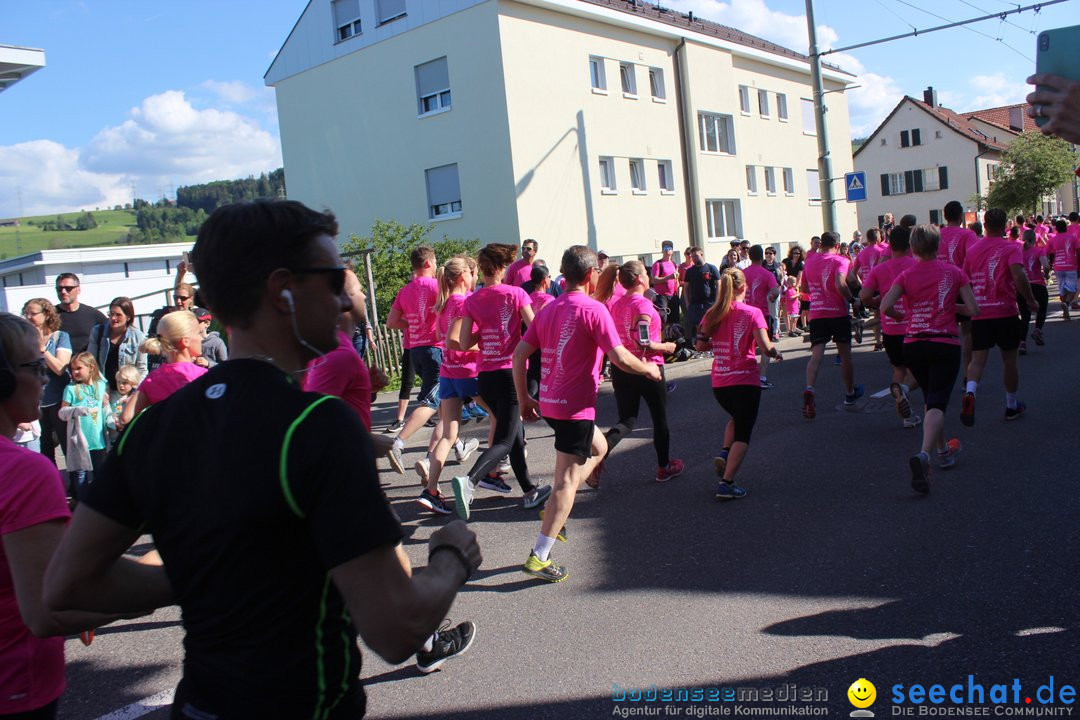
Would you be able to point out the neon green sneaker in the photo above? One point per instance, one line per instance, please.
(544, 570)
(562, 535)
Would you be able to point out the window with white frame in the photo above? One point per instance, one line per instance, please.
(596, 73)
(665, 176)
(626, 76)
(744, 100)
(716, 133)
(789, 181)
(813, 185)
(637, 175)
(432, 86)
(389, 10)
(656, 84)
(751, 179)
(763, 103)
(781, 106)
(607, 175)
(770, 180)
(346, 18)
(930, 179)
(723, 219)
(896, 184)
(444, 192)
(809, 123)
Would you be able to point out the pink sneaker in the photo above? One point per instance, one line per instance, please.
(673, 469)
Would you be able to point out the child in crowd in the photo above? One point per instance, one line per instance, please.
(127, 379)
(84, 407)
(791, 306)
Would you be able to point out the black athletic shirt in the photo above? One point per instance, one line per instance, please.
(78, 324)
(253, 490)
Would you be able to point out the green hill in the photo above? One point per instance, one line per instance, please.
(112, 229)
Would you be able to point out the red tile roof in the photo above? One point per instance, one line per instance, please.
(961, 124)
(1000, 116)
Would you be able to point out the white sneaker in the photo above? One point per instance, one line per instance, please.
(913, 421)
(462, 450)
(423, 469)
(504, 467)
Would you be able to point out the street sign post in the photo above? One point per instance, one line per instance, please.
(855, 186)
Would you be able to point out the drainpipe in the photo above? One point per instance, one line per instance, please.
(686, 134)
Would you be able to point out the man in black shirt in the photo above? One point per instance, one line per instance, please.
(701, 279)
(287, 548)
(76, 319)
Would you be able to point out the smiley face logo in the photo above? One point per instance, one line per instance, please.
(862, 693)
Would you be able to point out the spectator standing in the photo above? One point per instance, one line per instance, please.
(116, 342)
(701, 282)
(214, 350)
(664, 277)
(520, 271)
(76, 319)
(55, 347)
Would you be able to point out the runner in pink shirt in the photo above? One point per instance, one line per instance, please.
(732, 329)
(1066, 249)
(875, 253)
(497, 311)
(573, 334)
(636, 318)
(761, 290)
(824, 278)
(664, 279)
(953, 247)
(878, 282)
(933, 292)
(996, 268)
(1036, 265)
(520, 271)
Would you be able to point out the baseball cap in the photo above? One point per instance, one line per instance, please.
(667, 244)
(601, 253)
(202, 313)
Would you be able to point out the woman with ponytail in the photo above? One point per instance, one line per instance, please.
(731, 329)
(179, 341)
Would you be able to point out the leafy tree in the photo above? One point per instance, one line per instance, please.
(212, 195)
(391, 244)
(86, 221)
(1035, 165)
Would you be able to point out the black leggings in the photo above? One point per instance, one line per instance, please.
(630, 390)
(533, 375)
(1043, 298)
(497, 390)
(53, 431)
(408, 376)
(741, 402)
(935, 366)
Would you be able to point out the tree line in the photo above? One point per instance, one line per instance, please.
(212, 195)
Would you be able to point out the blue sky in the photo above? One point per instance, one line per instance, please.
(144, 95)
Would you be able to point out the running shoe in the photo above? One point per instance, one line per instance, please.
(446, 645)
(1065, 311)
(463, 495)
(1023, 348)
(423, 469)
(544, 570)
(792, 333)
(670, 387)
(434, 502)
(720, 465)
(432, 421)
(808, 410)
(1037, 336)
(946, 458)
(912, 422)
(967, 410)
(920, 473)
(674, 469)
(849, 400)
(766, 385)
(1015, 414)
(562, 535)
(394, 457)
(729, 491)
(593, 480)
(903, 405)
(477, 412)
(494, 483)
(394, 426)
(536, 497)
(462, 450)
(858, 331)
(504, 467)
(465, 416)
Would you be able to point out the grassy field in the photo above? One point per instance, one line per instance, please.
(113, 226)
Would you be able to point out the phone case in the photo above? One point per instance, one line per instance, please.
(1058, 53)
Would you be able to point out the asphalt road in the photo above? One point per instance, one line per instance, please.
(831, 570)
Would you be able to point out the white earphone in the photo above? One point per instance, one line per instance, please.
(287, 295)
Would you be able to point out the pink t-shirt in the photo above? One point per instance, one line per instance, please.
(1065, 245)
(988, 264)
(867, 258)
(540, 300)
(626, 313)
(954, 244)
(416, 303)
(1033, 264)
(342, 373)
(573, 334)
(733, 340)
(881, 280)
(169, 378)
(930, 289)
(820, 272)
(759, 283)
(519, 273)
(496, 310)
(456, 364)
(791, 301)
(31, 668)
(660, 268)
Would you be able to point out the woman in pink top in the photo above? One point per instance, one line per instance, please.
(497, 312)
(180, 341)
(931, 290)
(636, 319)
(732, 330)
(1035, 266)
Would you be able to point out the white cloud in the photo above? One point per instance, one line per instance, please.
(165, 142)
(235, 92)
(995, 90)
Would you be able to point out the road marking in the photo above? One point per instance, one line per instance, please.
(881, 393)
(142, 707)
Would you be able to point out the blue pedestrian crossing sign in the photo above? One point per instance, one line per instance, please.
(855, 186)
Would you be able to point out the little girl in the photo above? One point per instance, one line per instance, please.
(84, 406)
(127, 379)
(791, 306)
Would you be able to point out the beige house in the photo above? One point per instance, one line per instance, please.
(923, 155)
(607, 122)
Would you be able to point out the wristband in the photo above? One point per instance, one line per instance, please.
(460, 556)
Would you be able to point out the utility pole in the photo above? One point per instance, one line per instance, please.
(828, 207)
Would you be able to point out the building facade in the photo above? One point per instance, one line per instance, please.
(610, 123)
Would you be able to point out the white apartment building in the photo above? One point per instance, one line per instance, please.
(611, 123)
(924, 155)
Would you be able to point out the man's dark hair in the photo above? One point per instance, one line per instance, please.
(241, 244)
(909, 221)
(1074, 217)
(1020, 219)
(829, 239)
(1061, 226)
(953, 211)
(539, 272)
(530, 241)
(900, 239)
(995, 221)
(757, 253)
(420, 255)
(976, 227)
(67, 276)
(873, 236)
(577, 262)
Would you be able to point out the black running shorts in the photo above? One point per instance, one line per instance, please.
(837, 329)
(1004, 332)
(573, 437)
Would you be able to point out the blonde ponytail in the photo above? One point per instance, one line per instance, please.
(448, 276)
